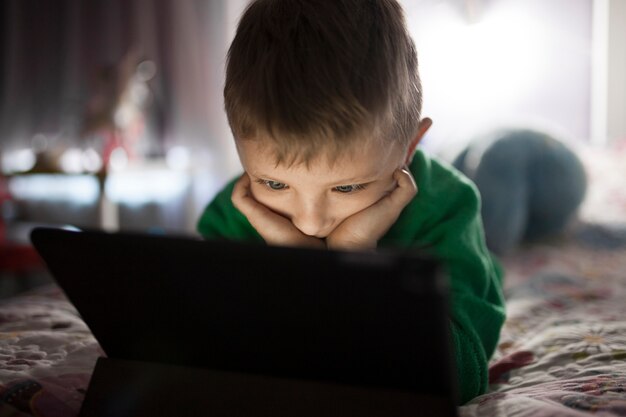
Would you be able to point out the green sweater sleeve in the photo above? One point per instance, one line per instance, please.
(444, 220)
(221, 220)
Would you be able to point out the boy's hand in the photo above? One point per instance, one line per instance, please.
(274, 228)
(362, 230)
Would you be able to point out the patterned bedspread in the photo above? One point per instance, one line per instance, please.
(47, 354)
(562, 351)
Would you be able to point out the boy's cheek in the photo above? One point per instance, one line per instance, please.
(258, 194)
(264, 197)
(390, 185)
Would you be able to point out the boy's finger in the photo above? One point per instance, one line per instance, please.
(406, 189)
(242, 186)
(244, 201)
(241, 193)
(390, 206)
(269, 224)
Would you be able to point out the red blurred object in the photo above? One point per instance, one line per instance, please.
(19, 259)
(4, 196)
(15, 258)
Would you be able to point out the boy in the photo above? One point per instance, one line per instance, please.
(323, 98)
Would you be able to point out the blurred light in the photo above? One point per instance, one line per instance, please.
(21, 160)
(91, 160)
(483, 71)
(178, 158)
(39, 142)
(72, 161)
(490, 61)
(80, 189)
(139, 92)
(146, 70)
(70, 228)
(118, 159)
(137, 188)
(123, 115)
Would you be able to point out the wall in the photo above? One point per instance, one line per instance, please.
(491, 62)
(608, 121)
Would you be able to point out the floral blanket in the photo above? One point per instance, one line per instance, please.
(47, 354)
(562, 351)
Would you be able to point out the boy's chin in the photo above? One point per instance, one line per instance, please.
(321, 236)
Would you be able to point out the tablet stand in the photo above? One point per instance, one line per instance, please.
(121, 388)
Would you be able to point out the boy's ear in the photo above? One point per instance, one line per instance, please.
(422, 128)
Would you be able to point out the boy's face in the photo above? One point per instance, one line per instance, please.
(318, 197)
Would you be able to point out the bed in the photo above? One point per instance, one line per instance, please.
(562, 351)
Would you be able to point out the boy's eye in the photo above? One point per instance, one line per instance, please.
(274, 185)
(345, 189)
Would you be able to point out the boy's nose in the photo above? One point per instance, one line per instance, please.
(311, 220)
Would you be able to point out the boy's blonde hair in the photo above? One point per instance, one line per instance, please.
(322, 75)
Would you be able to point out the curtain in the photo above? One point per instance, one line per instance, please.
(67, 64)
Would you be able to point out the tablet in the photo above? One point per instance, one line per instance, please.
(242, 315)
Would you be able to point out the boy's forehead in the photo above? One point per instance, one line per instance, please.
(362, 158)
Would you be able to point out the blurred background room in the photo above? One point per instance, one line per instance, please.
(111, 111)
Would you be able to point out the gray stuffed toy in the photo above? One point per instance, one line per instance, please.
(531, 185)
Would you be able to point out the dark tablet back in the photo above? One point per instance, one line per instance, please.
(371, 320)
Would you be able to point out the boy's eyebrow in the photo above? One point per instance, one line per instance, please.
(355, 180)
(360, 179)
(349, 181)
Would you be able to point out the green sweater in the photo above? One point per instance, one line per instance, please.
(443, 219)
